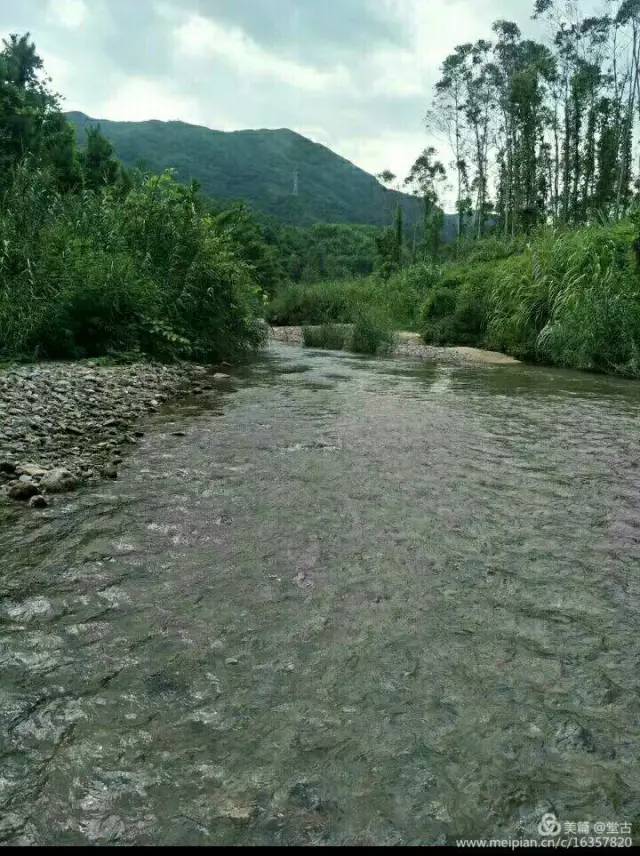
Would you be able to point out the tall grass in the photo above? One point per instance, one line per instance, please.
(398, 299)
(568, 298)
(85, 274)
(332, 337)
(571, 300)
(372, 332)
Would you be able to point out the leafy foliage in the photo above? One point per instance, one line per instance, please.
(326, 251)
(93, 259)
(570, 298)
(398, 298)
(331, 337)
(372, 332)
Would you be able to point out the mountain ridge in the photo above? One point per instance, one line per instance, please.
(278, 171)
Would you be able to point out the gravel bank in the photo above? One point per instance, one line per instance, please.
(64, 424)
(411, 345)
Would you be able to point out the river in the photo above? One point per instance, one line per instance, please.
(342, 600)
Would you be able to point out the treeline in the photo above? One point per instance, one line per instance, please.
(94, 258)
(543, 132)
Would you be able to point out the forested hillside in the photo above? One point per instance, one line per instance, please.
(278, 172)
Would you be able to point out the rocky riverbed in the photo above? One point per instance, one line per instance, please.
(68, 423)
(65, 424)
(411, 345)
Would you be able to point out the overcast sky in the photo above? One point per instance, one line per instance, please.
(355, 75)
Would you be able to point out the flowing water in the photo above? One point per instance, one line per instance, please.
(340, 601)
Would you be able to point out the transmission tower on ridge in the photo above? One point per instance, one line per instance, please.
(296, 177)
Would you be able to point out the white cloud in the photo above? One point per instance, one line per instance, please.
(205, 38)
(69, 13)
(140, 98)
(396, 73)
(392, 150)
(60, 70)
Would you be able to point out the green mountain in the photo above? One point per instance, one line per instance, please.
(279, 172)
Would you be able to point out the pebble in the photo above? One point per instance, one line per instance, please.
(59, 480)
(22, 491)
(63, 424)
(38, 501)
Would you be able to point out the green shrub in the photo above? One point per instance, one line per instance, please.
(440, 303)
(403, 294)
(569, 298)
(372, 332)
(572, 299)
(95, 308)
(320, 303)
(398, 298)
(86, 274)
(329, 336)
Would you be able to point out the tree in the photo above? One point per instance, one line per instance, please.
(425, 179)
(399, 234)
(99, 166)
(389, 180)
(31, 123)
(447, 116)
(549, 128)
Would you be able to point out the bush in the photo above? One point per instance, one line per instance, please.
(85, 274)
(398, 298)
(320, 303)
(572, 299)
(372, 332)
(569, 298)
(329, 336)
(403, 294)
(95, 308)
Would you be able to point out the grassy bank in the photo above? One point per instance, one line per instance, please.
(88, 273)
(340, 301)
(96, 259)
(564, 298)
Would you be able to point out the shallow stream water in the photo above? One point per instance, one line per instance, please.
(342, 600)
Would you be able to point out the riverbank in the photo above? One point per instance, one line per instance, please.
(411, 345)
(65, 424)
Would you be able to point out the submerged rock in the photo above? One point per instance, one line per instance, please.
(59, 480)
(33, 470)
(38, 501)
(22, 491)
